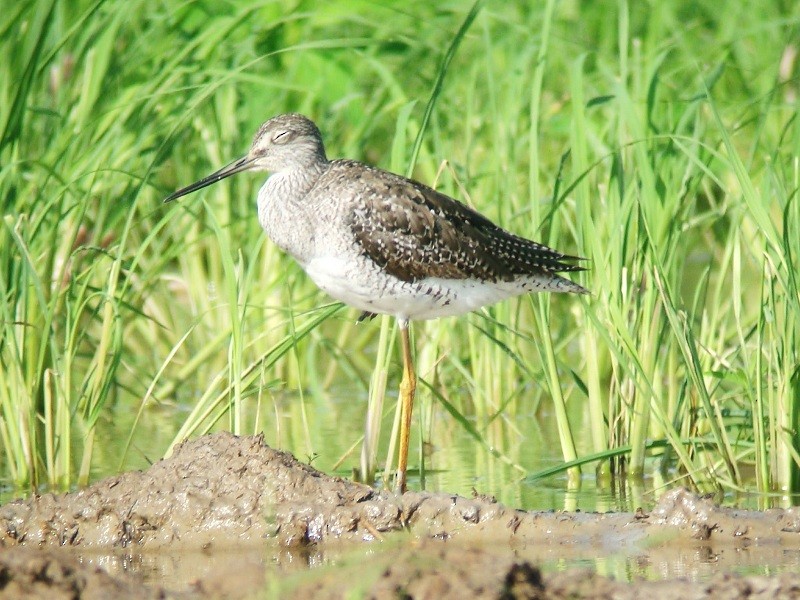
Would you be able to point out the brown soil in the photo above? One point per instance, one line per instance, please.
(199, 524)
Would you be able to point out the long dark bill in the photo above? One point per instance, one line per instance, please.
(237, 166)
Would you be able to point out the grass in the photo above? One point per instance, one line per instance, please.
(660, 141)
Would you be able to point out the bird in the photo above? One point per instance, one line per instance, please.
(384, 243)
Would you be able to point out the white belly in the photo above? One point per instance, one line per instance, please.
(430, 298)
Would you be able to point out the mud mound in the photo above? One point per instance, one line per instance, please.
(217, 489)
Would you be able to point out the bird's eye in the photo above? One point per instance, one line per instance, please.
(283, 137)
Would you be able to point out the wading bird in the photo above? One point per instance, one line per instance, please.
(386, 244)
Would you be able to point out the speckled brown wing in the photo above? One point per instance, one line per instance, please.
(412, 232)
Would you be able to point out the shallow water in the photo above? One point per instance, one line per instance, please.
(178, 570)
(330, 428)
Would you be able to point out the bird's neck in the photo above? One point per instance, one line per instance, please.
(281, 201)
(292, 184)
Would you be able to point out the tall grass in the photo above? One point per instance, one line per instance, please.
(660, 141)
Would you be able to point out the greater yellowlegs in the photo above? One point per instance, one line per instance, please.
(386, 244)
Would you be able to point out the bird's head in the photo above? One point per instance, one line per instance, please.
(284, 143)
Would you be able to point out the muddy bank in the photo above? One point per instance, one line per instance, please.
(223, 492)
(54, 574)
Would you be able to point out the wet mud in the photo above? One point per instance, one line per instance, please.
(227, 516)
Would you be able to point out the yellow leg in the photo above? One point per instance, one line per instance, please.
(408, 386)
